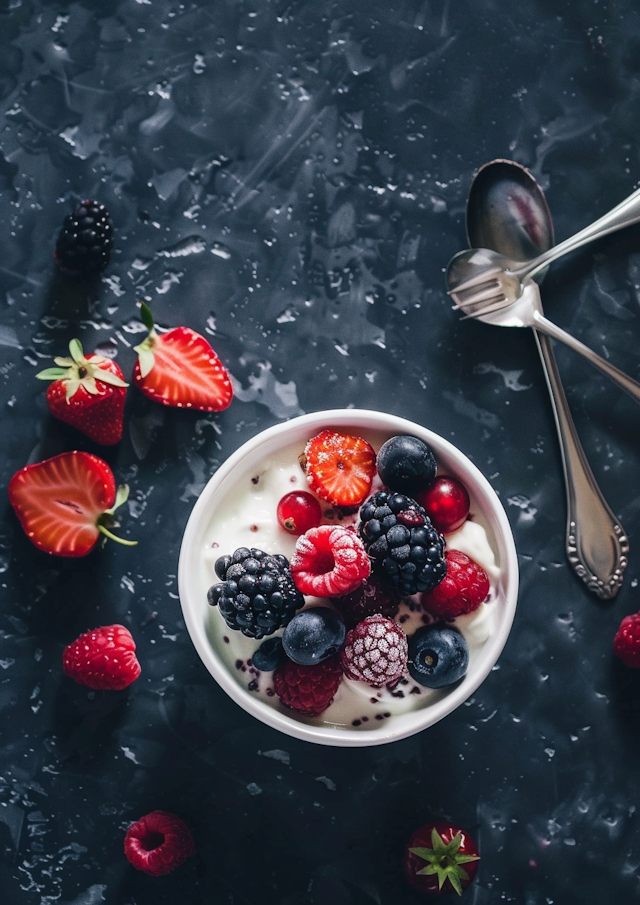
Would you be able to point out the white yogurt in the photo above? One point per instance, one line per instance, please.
(246, 517)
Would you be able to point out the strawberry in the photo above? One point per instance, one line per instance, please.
(339, 468)
(626, 644)
(158, 843)
(103, 659)
(66, 503)
(87, 393)
(180, 368)
(440, 858)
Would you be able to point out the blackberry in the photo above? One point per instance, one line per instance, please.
(257, 595)
(403, 544)
(84, 243)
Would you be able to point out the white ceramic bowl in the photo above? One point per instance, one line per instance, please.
(206, 626)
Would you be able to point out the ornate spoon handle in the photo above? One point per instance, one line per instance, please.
(597, 545)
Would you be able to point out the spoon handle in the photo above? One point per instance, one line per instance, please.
(596, 543)
(624, 214)
(628, 384)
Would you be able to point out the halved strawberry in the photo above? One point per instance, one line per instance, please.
(66, 503)
(339, 467)
(87, 393)
(179, 368)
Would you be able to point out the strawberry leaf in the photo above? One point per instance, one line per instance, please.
(52, 374)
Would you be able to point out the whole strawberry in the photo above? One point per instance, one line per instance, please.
(158, 843)
(440, 858)
(87, 393)
(626, 643)
(103, 659)
(67, 503)
(179, 368)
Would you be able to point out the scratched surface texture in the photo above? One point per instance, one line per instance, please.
(289, 178)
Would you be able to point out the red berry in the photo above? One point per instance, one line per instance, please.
(329, 561)
(308, 689)
(626, 643)
(158, 843)
(440, 858)
(298, 511)
(446, 502)
(339, 468)
(373, 596)
(103, 659)
(375, 651)
(461, 591)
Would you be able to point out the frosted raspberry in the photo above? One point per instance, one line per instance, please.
(329, 561)
(158, 843)
(463, 589)
(308, 689)
(375, 651)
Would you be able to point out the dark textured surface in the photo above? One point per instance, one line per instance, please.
(289, 178)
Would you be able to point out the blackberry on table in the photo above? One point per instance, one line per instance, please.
(256, 595)
(404, 546)
(85, 240)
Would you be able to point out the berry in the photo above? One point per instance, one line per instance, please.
(65, 504)
(626, 643)
(446, 502)
(257, 595)
(314, 635)
(440, 858)
(438, 656)
(328, 561)
(158, 843)
(102, 659)
(406, 464)
(87, 393)
(339, 468)
(179, 368)
(403, 544)
(463, 589)
(373, 596)
(298, 511)
(85, 240)
(375, 651)
(269, 655)
(308, 689)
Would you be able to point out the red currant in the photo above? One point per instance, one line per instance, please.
(446, 502)
(298, 511)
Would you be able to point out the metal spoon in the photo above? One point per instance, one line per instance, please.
(508, 212)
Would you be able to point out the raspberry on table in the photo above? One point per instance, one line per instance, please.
(84, 243)
(328, 561)
(308, 689)
(461, 591)
(158, 843)
(103, 659)
(339, 467)
(373, 596)
(626, 644)
(375, 652)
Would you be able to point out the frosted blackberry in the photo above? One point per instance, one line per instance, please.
(256, 595)
(404, 546)
(85, 240)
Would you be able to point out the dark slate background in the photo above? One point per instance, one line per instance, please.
(290, 178)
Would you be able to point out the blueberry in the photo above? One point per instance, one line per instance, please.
(438, 656)
(313, 635)
(269, 655)
(406, 464)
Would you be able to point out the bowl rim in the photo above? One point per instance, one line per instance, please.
(193, 608)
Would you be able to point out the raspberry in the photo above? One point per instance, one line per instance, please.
(84, 242)
(373, 596)
(463, 589)
(339, 468)
(375, 651)
(103, 659)
(308, 689)
(328, 561)
(158, 843)
(626, 643)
